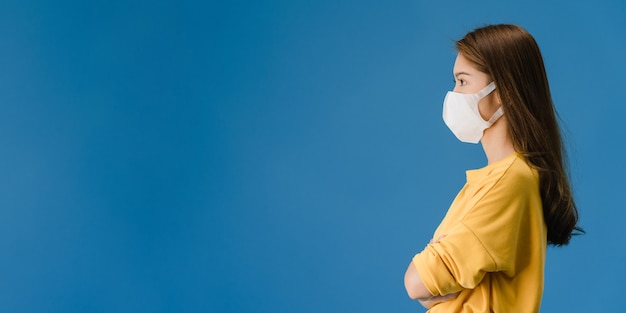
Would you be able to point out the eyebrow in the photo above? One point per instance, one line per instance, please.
(461, 73)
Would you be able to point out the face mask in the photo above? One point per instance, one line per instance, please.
(460, 113)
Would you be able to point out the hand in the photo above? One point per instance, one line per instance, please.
(432, 241)
(431, 301)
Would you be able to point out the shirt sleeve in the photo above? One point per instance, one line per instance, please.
(483, 240)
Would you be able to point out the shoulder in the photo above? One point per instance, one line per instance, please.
(512, 170)
(510, 177)
(498, 186)
(520, 174)
(514, 181)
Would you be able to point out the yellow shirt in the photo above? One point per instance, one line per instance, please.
(494, 247)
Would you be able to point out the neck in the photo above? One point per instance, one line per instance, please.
(497, 142)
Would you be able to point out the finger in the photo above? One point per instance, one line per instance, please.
(449, 296)
(436, 240)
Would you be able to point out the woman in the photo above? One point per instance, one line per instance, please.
(488, 253)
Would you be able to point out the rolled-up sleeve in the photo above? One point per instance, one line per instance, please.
(459, 261)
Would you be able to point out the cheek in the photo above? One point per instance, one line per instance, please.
(488, 106)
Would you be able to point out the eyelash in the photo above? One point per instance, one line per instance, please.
(462, 82)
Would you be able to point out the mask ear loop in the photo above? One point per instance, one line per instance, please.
(487, 90)
(483, 93)
(496, 116)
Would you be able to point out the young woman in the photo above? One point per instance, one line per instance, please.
(488, 253)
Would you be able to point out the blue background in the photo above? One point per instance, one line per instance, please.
(273, 156)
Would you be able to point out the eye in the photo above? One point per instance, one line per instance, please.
(462, 82)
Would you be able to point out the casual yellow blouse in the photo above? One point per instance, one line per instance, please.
(494, 247)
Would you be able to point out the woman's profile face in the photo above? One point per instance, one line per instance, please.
(468, 79)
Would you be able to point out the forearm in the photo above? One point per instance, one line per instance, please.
(417, 290)
(413, 284)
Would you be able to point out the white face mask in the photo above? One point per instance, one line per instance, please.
(460, 113)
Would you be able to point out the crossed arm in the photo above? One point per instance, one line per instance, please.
(416, 289)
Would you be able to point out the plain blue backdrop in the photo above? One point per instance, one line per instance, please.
(274, 156)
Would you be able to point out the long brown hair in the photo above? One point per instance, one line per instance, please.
(510, 55)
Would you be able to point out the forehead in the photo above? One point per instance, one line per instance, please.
(463, 66)
(468, 71)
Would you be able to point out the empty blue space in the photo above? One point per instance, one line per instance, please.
(274, 156)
